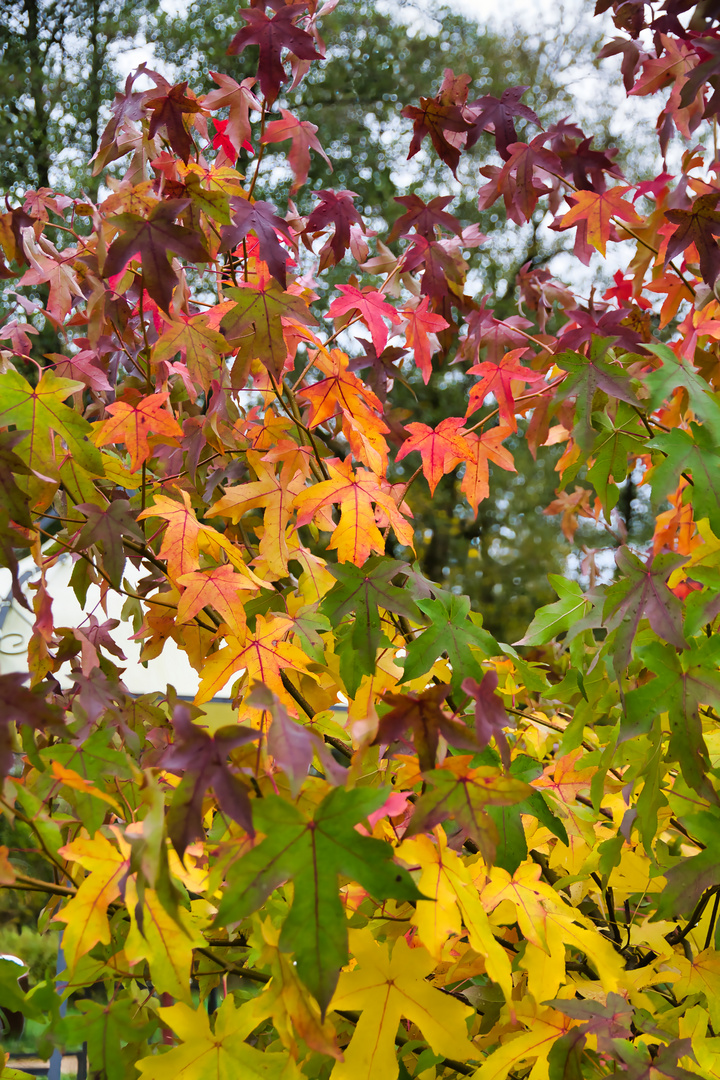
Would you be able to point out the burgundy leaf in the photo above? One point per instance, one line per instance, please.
(336, 208)
(423, 217)
(274, 35)
(262, 219)
(490, 713)
(497, 115)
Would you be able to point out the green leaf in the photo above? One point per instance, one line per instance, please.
(313, 851)
(39, 411)
(553, 619)
(587, 376)
(673, 373)
(451, 632)
(691, 453)
(619, 439)
(366, 590)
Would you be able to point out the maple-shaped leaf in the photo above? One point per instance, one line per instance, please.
(262, 219)
(424, 715)
(693, 452)
(272, 491)
(518, 181)
(357, 533)
(85, 914)
(614, 451)
(163, 939)
(441, 448)
(420, 330)
(372, 307)
(264, 655)
(106, 526)
(255, 321)
(497, 115)
(181, 540)
(366, 590)
(49, 265)
(273, 35)
(638, 1063)
(553, 619)
(222, 588)
(450, 631)
(424, 217)
(215, 1053)
(153, 238)
(643, 592)
(133, 421)
(683, 681)
(386, 987)
(484, 447)
(38, 411)
(461, 793)
(21, 706)
(312, 852)
(200, 345)
(498, 379)
(490, 713)
(434, 118)
(588, 374)
(336, 208)
(698, 225)
(340, 390)
(201, 760)
(168, 111)
(304, 139)
(674, 372)
(239, 99)
(598, 209)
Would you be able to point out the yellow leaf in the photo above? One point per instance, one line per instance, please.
(545, 1028)
(530, 896)
(219, 1055)
(447, 880)
(86, 913)
(165, 944)
(73, 780)
(702, 975)
(387, 987)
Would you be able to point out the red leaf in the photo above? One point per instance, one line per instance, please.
(373, 307)
(262, 219)
(274, 35)
(303, 136)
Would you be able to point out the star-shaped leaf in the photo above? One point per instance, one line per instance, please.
(273, 35)
(304, 139)
(388, 987)
(133, 421)
(168, 111)
(441, 448)
(255, 321)
(699, 226)
(424, 715)
(498, 379)
(106, 525)
(312, 851)
(373, 308)
(262, 219)
(643, 591)
(153, 238)
(434, 118)
(335, 208)
(450, 631)
(597, 210)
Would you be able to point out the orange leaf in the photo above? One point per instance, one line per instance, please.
(421, 324)
(132, 423)
(262, 654)
(485, 447)
(357, 534)
(441, 450)
(221, 588)
(180, 545)
(598, 209)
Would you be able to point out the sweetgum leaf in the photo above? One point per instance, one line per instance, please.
(255, 322)
(168, 112)
(424, 715)
(107, 525)
(365, 590)
(21, 706)
(699, 226)
(273, 35)
(335, 208)
(695, 452)
(202, 761)
(450, 631)
(153, 238)
(497, 115)
(312, 852)
(643, 592)
(676, 371)
(262, 219)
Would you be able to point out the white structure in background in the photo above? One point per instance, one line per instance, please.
(172, 666)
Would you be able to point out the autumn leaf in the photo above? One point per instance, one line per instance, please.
(106, 526)
(497, 115)
(22, 706)
(424, 715)
(263, 655)
(153, 238)
(262, 219)
(434, 118)
(698, 225)
(133, 421)
(304, 138)
(168, 111)
(424, 217)
(335, 208)
(441, 448)
(372, 307)
(312, 851)
(86, 913)
(201, 762)
(273, 35)
(217, 1053)
(221, 588)
(643, 592)
(255, 321)
(484, 448)
(387, 987)
(40, 410)
(357, 533)
(239, 99)
(490, 713)
(459, 792)
(199, 344)
(166, 943)
(420, 330)
(598, 210)
(498, 379)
